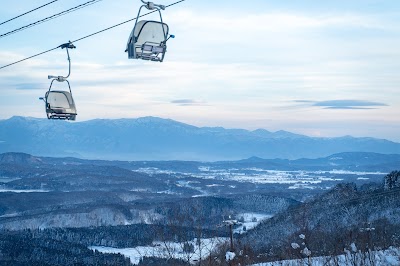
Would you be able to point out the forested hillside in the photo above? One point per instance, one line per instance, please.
(330, 223)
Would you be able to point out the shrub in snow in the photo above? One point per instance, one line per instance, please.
(229, 256)
(295, 245)
(306, 252)
(353, 247)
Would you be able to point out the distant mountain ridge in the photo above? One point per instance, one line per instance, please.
(19, 158)
(347, 161)
(153, 138)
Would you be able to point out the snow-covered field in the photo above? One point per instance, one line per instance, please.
(264, 176)
(200, 250)
(249, 221)
(8, 179)
(389, 257)
(302, 179)
(23, 190)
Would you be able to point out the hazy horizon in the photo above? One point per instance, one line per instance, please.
(206, 126)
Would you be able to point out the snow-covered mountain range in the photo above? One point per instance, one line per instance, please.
(152, 138)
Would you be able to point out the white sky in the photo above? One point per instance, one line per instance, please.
(320, 68)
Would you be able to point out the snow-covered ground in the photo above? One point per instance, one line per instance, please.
(4, 179)
(389, 257)
(23, 190)
(249, 221)
(169, 250)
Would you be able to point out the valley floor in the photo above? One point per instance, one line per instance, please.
(189, 251)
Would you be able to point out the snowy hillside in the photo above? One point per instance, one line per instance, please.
(388, 257)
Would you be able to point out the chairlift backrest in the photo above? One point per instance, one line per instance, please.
(148, 41)
(150, 31)
(59, 99)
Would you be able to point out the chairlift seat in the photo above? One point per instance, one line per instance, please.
(60, 105)
(148, 41)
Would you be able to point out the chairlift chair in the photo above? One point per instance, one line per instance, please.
(60, 104)
(148, 38)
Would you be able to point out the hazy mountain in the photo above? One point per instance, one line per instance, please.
(151, 138)
(19, 158)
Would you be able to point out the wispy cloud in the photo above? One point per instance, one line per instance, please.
(31, 86)
(188, 102)
(273, 21)
(343, 104)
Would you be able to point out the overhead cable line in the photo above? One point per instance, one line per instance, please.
(91, 2)
(28, 12)
(90, 35)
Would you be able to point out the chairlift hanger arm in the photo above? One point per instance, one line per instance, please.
(51, 84)
(69, 87)
(68, 45)
(138, 16)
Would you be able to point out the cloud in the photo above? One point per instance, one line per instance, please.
(31, 86)
(271, 21)
(343, 104)
(188, 102)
